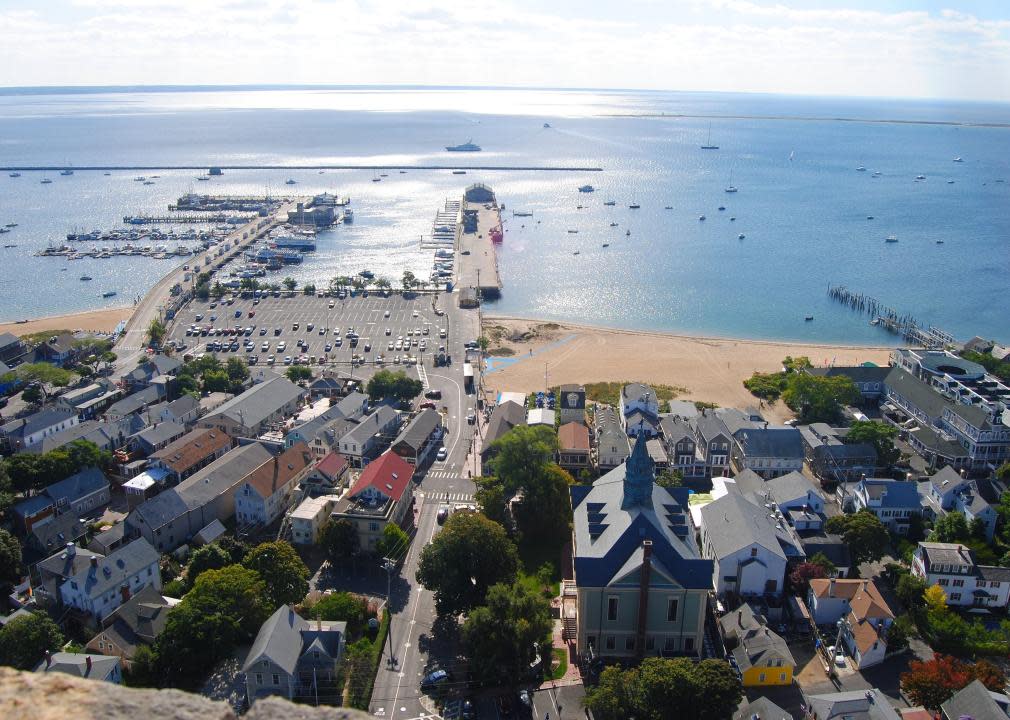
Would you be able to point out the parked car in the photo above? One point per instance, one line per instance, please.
(441, 517)
(433, 394)
(442, 453)
(435, 680)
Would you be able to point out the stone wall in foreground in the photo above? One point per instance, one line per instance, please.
(57, 696)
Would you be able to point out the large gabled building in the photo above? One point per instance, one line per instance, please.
(640, 586)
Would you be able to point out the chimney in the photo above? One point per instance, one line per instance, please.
(643, 596)
(831, 587)
(49, 659)
(71, 549)
(87, 661)
(94, 562)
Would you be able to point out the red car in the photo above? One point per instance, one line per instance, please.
(428, 404)
(252, 313)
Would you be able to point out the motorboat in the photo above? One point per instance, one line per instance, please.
(572, 232)
(732, 219)
(701, 217)
(586, 189)
(721, 208)
(869, 217)
(613, 224)
(634, 206)
(109, 293)
(290, 181)
(731, 189)
(809, 318)
(627, 233)
(890, 239)
(741, 236)
(958, 159)
(860, 169)
(578, 207)
(46, 181)
(465, 147)
(939, 242)
(606, 244)
(367, 274)
(575, 253)
(14, 174)
(66, 172)
(610, 203)
(455, 172)
(668, 207)
(546, 125)
(920, 177)
(203, 178)
(85, 278)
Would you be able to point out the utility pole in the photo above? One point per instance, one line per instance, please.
(389, 566)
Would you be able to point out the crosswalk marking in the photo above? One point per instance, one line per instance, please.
(455, 497)
(440, 474)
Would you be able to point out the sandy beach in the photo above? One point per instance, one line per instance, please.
(712, 369)
(93, 321)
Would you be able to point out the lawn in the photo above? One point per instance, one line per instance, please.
(609, 393)
(532, 556)
(560, 665)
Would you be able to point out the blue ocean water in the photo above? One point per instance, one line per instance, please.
(802, 205)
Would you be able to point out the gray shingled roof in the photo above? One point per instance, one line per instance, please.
(420, 428)
(755, 640)
(504, 417)
(853, 705)
(973, 701)
(204, 485)
(78, 485)
(64, 564)
(709, 425)
(137, 401)
(285, 635)
(917, 393)
(258, 402)
(370, 425)
(733, 522)
(113, 571)
(77, 664)
(783, 489)
(772, 442)
(162, 432)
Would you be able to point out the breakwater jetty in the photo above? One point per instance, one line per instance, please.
(882, 315)
(146, 168)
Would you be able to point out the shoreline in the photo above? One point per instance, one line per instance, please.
(708, 369)
(104, 320)
(486, 318)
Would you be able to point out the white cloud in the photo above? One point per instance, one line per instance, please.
(700, 45)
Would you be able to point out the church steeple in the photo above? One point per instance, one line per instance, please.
(639, 473)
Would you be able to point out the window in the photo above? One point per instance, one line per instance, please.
(761, 677)
(771, 586)
(753, 552)
(612, 608)
(670, 645)
(259, 678)
(782, 677)
(650, 643)
(943, 581)
(276, 679)
(591, 641)
(671, 609)
(373, 527)
(629, 643)
(689, 644)
(955, 596)
(611, 643)
(958, 583)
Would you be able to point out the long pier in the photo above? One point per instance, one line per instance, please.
(884, 316)
(203, 168)
(195, 218)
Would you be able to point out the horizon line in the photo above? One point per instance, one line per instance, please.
(14, 90)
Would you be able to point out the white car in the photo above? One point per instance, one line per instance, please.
(442, 453)
(388, 331)
(386, 314)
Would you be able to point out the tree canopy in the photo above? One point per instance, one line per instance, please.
(283, 572)
(393, 543)
(816, 398)
(342, 606)
(11, 567)
(708, 690)
(224, 608)
(880, 435)
(502, 635)
(931, 683)
(863, 532)
(296, 373)
(339, 540)
(24, 640)
(386, 384)
(208, 557)
(31, 472)
(467, 557)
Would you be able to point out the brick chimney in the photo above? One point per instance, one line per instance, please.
(49, 659)
(87, 661)
(643, 597)
(94, 562)
(71, 549)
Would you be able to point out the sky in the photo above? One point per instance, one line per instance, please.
(886, 48)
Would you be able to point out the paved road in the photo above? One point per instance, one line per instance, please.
(130, 347)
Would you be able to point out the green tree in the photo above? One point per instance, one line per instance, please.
(910, 590)
(11, 567)
(386, 384)
(521, 455)
(383, 283)
(767, 386)
(670, 478)
(289, 284)
(297, 373)
(409, 280)
(502, 636)
(880, 435)
(143, 670)
(545, 512)
(284, 573)
(339, 540)
(342, 607)
(309, 289)
(863, 532)
(393, 543)
(483, 343)
(156, 331)
(900, 631)
(224, 608)
(470, 555)
(216, 381)
(209, 557)
(47, 376)
(816, 398)
(217, 291)
(825, 563)
(951, 528)
(238, 371)
(490, 498)
(24, 640)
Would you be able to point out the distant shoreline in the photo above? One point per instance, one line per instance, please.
(490, 317)
(808, 118)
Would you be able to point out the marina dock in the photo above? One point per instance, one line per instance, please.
(476, 255)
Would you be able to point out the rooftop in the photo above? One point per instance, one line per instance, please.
(189, 450)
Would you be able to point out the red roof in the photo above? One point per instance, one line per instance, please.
(389, 474)
(333, 464)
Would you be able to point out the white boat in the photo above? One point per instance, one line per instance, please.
(731, 188)
(920, 177)
(14, 174)
(290, 181)
(348, 216)
(701, 217)
(860, 169)
(958, 159)
(465, 147)
(891, 239)
(45, 181)
(610, 202)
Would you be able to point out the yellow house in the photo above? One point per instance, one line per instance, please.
(761, 656)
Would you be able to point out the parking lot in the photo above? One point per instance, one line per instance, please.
(315, 330)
